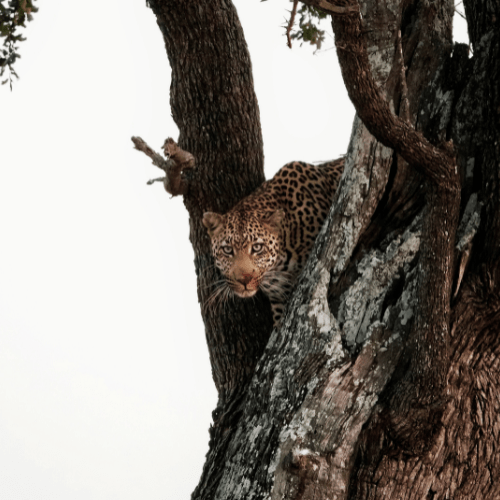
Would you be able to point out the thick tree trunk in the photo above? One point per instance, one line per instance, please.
(384, 378)
(215, 107)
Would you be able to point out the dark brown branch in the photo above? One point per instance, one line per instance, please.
(291, 22)
(437, 164)
(177, 161)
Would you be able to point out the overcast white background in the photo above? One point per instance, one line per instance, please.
(105, 383)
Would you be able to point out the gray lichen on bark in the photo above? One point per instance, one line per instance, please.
(362, 303)
(470, 222)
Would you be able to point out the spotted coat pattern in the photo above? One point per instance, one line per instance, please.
(264, 241)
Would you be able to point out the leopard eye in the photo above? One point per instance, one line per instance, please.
(228, 250)
(257, 247)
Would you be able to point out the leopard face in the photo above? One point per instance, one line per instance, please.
(246, 247)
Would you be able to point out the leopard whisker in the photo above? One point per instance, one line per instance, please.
(215, 296)
(211, 284)
(227, 296)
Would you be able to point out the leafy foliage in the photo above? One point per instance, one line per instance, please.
(308, 30)
(13, 15)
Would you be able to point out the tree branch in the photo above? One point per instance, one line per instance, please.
(177, 161)
(290, 23)
(438, 164)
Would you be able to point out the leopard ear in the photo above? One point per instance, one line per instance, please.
(211, 221)
(274, 219)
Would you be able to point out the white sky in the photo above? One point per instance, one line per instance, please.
(106, 390)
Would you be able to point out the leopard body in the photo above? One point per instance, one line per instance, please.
(264, 241)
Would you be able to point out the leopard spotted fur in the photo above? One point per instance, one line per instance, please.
(264, 241)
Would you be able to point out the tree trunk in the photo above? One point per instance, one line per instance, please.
(215, 107)
(383, 379)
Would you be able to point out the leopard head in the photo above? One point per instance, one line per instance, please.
(245, 246)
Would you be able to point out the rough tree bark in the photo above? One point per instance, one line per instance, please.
(214, 105)
(383, 380)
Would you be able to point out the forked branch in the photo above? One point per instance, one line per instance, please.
(429, 340)
(436, 163)
(177, 161)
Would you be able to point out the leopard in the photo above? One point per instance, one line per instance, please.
(264, 241)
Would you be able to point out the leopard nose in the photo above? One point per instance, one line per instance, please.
(245, 279)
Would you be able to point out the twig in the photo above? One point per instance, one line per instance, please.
(157, 179)
(459, 13)
(291, 22)
(177, 161)
(158, 160)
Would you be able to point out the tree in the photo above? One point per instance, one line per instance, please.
(383, 379)
(13, 14)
